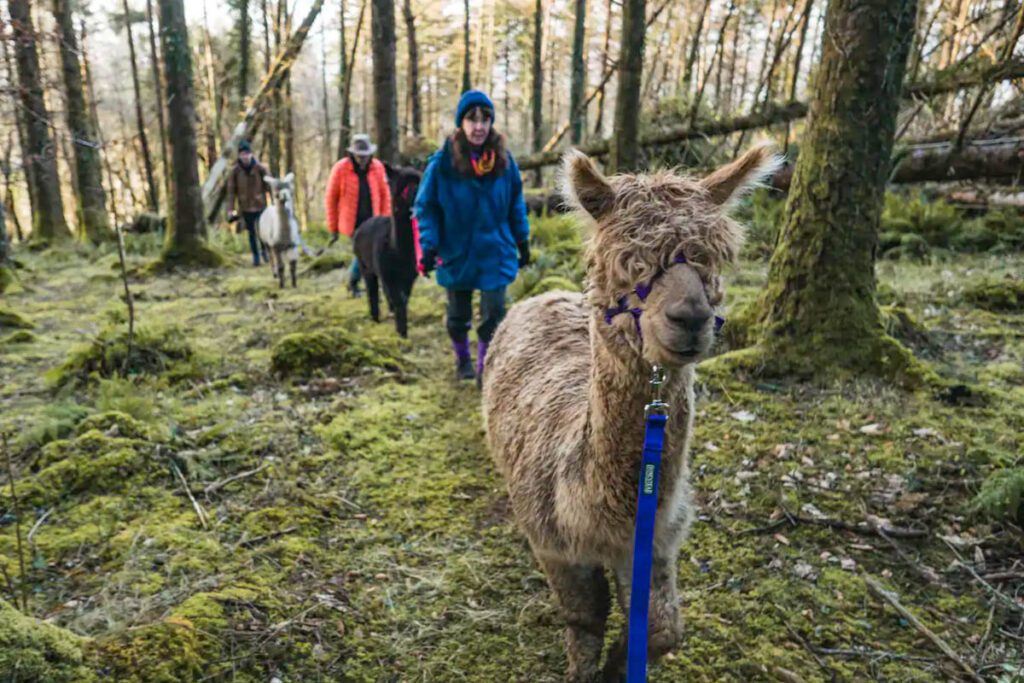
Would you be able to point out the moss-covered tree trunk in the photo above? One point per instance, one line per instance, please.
(385, 92)
(92, 210)
(819, 314)
(625, 144)
(48, 222)
(186, 229)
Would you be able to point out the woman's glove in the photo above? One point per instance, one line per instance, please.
(524, 253)
(429, 261)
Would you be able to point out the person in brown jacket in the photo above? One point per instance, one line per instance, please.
(247, 187)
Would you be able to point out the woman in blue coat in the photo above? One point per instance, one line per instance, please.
(473, 225)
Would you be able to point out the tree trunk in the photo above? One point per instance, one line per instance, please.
(186, 229)
(819, 315)
(92, 210)
(796, 62)
(343, 80)
(288, 114)
(346, 84)
(691, 59)
(414, 70)
(385, 92)
(577, 114)
(273, 130)
(716, 54)
(147, 159)
(20, 126)
(599, 123)
(625, 149)
(48, 222)
(538, 76)
(244, 57)
(158, 87)
(467, 82)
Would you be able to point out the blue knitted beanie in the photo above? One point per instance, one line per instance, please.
(470, 99)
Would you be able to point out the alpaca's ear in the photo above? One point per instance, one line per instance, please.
(288, 179)
(583, 186)
(730, 182)
(270, 181)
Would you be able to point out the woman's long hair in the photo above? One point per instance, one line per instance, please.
(461, 149)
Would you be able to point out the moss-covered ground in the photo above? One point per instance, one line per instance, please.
(241, 505)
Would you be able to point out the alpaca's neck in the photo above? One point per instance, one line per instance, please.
(283, 235)
(402, 241)
(619, 390)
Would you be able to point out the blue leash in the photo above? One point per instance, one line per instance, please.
(656, 416)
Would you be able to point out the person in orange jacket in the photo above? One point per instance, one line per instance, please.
(357, 190)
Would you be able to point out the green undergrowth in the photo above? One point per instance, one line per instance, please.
(999, 296)
(12, 319)
(32, 651)
(153, 351)
(337, 518)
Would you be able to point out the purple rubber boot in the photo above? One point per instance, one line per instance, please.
(463, 361)
(481, 356)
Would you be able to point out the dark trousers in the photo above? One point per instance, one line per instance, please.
(460, 313)
(252, 219)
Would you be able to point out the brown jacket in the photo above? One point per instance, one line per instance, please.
(248, 187)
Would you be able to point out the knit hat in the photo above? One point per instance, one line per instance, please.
(244, 146)
(470, 99)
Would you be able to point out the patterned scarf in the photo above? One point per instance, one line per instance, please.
(483, 163)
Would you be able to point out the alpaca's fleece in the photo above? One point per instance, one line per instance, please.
(564, 396)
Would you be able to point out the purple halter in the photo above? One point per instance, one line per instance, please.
(643, 291)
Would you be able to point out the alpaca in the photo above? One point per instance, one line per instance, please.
(386, 247)
(279, 229)
(566, 382)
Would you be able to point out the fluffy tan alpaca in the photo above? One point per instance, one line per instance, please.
(564, 391)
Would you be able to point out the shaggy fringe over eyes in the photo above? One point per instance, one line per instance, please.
(654, 218)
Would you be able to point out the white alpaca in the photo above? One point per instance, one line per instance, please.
(279, 229)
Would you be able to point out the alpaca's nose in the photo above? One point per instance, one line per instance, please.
(690, 315)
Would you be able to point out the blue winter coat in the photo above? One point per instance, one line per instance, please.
(474, 224)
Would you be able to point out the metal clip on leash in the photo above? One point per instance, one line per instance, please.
(656, 406)
(655, 418)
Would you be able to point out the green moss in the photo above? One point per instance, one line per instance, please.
(328, 261)
(114, 423)
(1002, 495)
(154, 350)
(197, 254)
(333, 350)
(170, 651)
(6, 278)
(18, 337)
(9, 318)
(32, 651)
(57, 421)
(554, 283)
(1001, 296)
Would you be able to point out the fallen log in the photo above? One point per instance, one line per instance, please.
(216, 184)
(950, 80)
(998, 159)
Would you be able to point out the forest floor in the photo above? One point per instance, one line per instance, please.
(225, 513)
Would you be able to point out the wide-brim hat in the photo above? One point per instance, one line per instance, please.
(362, 146)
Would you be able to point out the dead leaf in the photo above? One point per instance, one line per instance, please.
(848, 564)
(744, 416)
(781, 539)
(872, 429)
(805, 571)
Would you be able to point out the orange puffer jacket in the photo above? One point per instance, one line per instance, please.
(343, 195)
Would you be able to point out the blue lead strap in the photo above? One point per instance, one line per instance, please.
(643, 542)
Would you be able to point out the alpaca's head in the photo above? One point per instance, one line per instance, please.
(643, 225)
(405, 183)
(282, 190)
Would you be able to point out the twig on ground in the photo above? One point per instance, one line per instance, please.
(862, 529)
(218, 485)
(39, 523)
(990, 588)
(200, 512)
(17, 527)
(1004, 576)
(894, 601)
(267, 537)
(874, 654)
(128, 300)
(924, 571)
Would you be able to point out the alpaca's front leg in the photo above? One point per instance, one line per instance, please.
(583, 600)
(664, 622)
